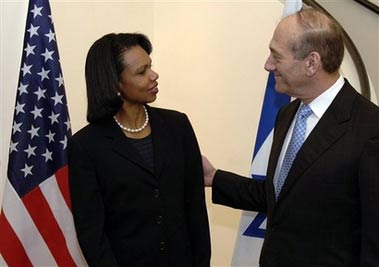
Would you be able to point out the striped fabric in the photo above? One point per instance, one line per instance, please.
(36, 223)
(145, 148)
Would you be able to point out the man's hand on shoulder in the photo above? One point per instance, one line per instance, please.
(209, 171)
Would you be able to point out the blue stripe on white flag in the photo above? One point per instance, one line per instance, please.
(252, 225)
(272, 102)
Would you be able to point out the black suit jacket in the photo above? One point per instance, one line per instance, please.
(327, 213)
(127, 215)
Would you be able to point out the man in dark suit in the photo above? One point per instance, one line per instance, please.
(322, 199)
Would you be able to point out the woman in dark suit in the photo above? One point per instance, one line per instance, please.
(136, 178)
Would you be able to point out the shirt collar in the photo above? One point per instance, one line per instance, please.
(320, 104)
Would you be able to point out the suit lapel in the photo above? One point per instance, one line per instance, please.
(161, 145)
(332, 125)
(122, 147)
(285, 118)
(161, 139)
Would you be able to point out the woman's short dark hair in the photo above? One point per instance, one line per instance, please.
(103, 68)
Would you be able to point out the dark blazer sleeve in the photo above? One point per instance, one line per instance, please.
(195, 199)
(239, 192)
(369, 191)
(88, 208)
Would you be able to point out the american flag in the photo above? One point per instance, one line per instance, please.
(36, 223)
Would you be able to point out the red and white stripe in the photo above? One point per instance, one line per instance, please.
(38, 230)
(2, 261)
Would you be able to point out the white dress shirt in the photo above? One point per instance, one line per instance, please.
(319, 105)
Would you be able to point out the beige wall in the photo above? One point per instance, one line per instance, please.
(210, 59)
(362, 25)
(209, 55)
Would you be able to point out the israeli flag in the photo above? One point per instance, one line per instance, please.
(252, 225)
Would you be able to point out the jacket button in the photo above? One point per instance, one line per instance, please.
(162, 246)
(159, 219)
(156, 193)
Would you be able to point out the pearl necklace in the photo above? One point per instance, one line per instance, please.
(131, 130)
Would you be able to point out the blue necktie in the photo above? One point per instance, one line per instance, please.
(296, 142)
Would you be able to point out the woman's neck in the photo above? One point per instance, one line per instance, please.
(133, 120)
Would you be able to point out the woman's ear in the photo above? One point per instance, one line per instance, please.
(118, 89)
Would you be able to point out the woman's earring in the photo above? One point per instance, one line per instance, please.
(118, 94)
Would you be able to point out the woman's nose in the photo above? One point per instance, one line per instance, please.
(154, 75)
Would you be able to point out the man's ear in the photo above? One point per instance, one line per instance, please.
(313, 63)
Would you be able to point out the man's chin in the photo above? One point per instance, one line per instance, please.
(280, 89)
